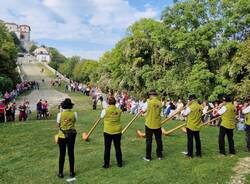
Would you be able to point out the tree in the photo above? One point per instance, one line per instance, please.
(56, 58)
(32, 49)
(68, 66)
(8, 55)
(85, 71)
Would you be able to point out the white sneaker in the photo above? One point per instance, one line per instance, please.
(160, 158)
(184, 153)
(146, 159)
(71, 180)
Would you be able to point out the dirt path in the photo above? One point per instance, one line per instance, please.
(241, 170)
(32, 72)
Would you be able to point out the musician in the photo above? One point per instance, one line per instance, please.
(193, 112)
(112, 132)
(246, 112)
(227, 113)
(153, 109)
(67, 135)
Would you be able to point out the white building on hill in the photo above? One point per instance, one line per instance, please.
(41, 54)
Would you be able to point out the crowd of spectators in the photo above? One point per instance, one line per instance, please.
(8, 105)
(78, 87)
(42, 108)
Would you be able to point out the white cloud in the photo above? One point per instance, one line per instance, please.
(95, 21)
(86, 54)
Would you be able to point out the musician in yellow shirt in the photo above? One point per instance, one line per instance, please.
(112, 132)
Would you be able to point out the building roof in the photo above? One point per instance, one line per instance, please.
(24, 25)
(40, 50)
(11, 23)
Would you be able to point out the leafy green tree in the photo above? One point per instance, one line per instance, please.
(199, 47)
(68, 66)
(85, 71)
(8, 55)
(239, 70)
(56, 58)
(32, 49)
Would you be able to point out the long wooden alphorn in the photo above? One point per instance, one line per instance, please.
(142, 134)
(85, 136)
(184, 124)
(172, 116)
(130, 123)
(184, 130)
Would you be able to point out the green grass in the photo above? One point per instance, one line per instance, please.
(47, 72)
(28, 154)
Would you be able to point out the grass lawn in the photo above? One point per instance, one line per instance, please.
(28, 154)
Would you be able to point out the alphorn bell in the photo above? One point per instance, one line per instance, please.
(184, 124)
(85, 136)
(130, 123)
(142, 134)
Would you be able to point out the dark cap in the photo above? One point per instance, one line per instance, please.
(67, 104)
(153, 92)
(226, 98)
(192, 97)
(111, 100)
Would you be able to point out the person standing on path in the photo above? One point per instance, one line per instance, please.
(153, 109)
(66, 137)
(246, 112)
(227, 113)
(39, 110)
(22, 112)
(193, 112)
(112, 132)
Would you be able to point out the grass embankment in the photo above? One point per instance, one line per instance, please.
(47, 72)
(28, 155)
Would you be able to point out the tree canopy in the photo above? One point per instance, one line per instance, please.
(199, 47)
(9, 47)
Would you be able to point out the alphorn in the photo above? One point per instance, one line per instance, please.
(85, 136)
(184, 124)
(130, 123)
(176, 128)
(184, 130)
(208, 122)
(142, 134)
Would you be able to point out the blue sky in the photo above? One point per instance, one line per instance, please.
(86, 28)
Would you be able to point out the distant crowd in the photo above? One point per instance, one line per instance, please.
(133, 105)
(8, 106)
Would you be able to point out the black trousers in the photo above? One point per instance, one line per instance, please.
(229, 132)
(2, 118)
(116, 138)
(247, 129)
(158, 139)
(190, 136)
(70, 143)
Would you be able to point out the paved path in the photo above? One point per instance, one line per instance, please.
(32, 72)
(242, 169)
